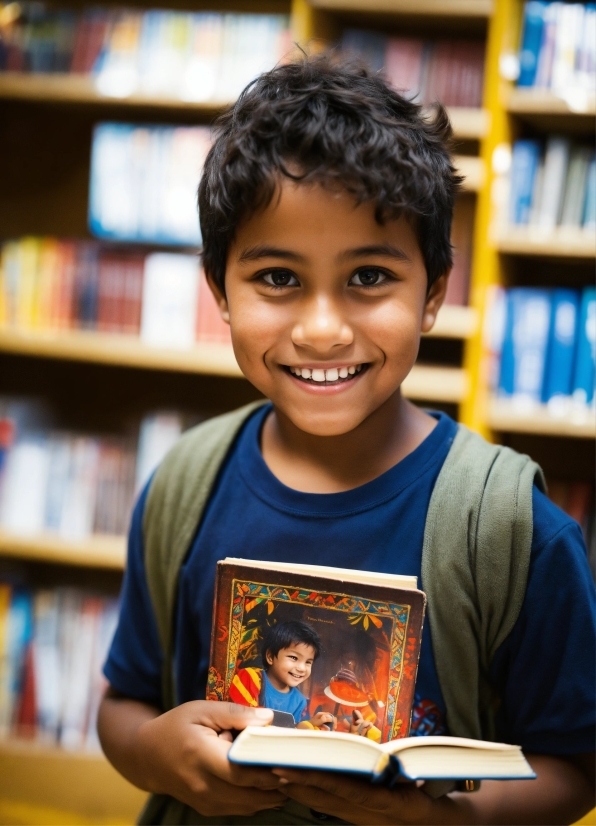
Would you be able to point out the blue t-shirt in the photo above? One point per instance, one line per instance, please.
(292, 701)
(544, 671)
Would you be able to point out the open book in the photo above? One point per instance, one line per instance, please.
(411, 758)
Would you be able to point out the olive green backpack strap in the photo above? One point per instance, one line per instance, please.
(177, 497)
(475, 561)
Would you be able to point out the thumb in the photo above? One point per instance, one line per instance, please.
(226, 716)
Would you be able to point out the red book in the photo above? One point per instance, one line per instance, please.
(210, 325)
(367, 627)
(403, 64)
(26, 718)
(132, 295)
(462, 230)
(63, 295)
(109, 292)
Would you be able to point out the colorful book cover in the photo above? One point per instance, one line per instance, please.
(369, 642)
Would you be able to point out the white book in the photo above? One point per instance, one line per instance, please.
(79, 503)
(567, 40)
(575, 187)
(170, 292)
(113, 197)
(79, 616)
(556, 161)
(46, 665)
(182, 165)
(158, 433)
(104, 633)
(201, 74)
(24, 486)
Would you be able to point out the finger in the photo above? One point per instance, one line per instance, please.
(338, 807)
(227, 716)
(359, 792)
(216, 797)
(212, 757)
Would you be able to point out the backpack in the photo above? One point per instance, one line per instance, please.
(476, 556)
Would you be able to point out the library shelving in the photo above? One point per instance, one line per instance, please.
(45, 144)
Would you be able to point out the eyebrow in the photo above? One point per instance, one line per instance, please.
(379, 250)
(264, 251)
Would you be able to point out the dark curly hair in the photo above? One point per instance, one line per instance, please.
(330, 120)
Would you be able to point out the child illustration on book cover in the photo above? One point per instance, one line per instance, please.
(329, 662)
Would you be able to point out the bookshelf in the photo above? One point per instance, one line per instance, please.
(47, 193)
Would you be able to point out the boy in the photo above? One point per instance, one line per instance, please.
(289, 651)
(325, 206)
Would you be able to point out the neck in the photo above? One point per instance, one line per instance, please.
(331, 464)
(277, 684)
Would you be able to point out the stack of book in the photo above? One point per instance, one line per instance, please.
(553, 185)
(546, 341)
(196, 57)
(72, 485)
(144, 182)
(449, 71)
(52, 647)
(51, 284)
(558, 46)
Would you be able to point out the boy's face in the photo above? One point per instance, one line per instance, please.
(317, 289)
(291, 666)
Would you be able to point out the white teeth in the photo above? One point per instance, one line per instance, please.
(343, 372)
(351, 370)
(332, 375)
(318, 375)
(305, 373)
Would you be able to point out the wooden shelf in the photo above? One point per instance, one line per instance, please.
(557, 243)
(80, 89)
(544, 102)
(122, 351)
(52, 786)
(510, 417)
(468, 123)
(97, 551)
(436, 384)
(472, 168)
(421, 8)
(454, 321)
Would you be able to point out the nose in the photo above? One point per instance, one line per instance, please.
(322, 326)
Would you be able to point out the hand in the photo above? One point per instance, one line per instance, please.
(185, 755)
(324, 720)
(359, 725)
(360, 802)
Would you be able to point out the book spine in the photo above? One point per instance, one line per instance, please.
(533, 27)
(561, 349)
(526, 156)
(583, 378)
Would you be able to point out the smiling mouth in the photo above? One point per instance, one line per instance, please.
(330, 376)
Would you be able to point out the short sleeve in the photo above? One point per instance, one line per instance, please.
(134, 662)
(545, 670)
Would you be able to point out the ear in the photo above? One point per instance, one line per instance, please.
(434, 301)
(269, 657)
(220, 299)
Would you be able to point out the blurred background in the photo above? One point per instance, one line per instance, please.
(111, 345)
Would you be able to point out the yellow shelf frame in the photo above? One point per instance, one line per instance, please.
(96, 551)
(58, 788)
(481, 9)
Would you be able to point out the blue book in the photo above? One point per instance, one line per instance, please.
(583, 376)
(524, 164)
(18, 636)
(561, 345)
(533, 28)
(525, 343)
(589, 219)
(505, 384)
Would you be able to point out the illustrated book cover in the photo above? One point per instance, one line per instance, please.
(334, 648)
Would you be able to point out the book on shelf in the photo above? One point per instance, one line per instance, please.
(432, 759)
(52, 285)
(552, 185)
(358, 656)
(196, 57)
(544, 345)
(449, 71)
(558, 46)
(52, 646)
(143, 182)
(72, 485)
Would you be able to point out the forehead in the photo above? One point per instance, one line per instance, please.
(320, 221)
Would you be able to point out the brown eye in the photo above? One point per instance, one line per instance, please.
(280, 278)
(369, 277)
